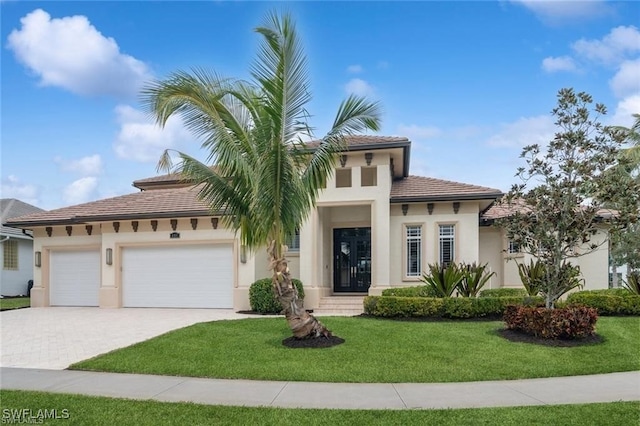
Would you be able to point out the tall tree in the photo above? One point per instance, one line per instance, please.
(265, 179)
(557, 207)
(625, 246)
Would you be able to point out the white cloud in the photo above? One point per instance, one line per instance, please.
(139, 139)
(415, 132)
(72, 54)
(557, 12)
(86, 166)
(524, 131)
(383, 65)
(627, 79)
(612, 48)
(624, 110)
(81, 190)
(560, 63)
(355, 69)
(359, 87)
(12, 187)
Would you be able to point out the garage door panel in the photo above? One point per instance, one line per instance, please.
(74, 278)
(196, 276)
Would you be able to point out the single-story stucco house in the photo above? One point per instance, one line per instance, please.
(16, 249)
(375, 227)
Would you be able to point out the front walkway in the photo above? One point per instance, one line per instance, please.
(558, 390)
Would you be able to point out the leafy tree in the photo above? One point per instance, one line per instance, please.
(265, 179)
(556, 209)
(625, 246)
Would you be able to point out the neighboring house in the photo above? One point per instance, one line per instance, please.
(16, 249)
(375, 227)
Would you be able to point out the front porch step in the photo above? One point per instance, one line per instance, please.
(340, 305)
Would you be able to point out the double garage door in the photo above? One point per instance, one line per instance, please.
(191, 276)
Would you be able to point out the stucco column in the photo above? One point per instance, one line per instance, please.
(380, 229)
(309, 251)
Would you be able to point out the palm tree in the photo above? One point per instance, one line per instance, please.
(265, 179)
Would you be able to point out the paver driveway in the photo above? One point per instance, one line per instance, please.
(54, 338)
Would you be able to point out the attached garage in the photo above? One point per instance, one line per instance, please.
(184, 276)
(74, 278)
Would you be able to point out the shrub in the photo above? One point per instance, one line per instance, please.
(474, 279)
(503, 292)
(532, 276)
(443, 279)
(443, 307)
(572, 322)
(403, 307)
(608, 302)
(417, 291)
(263, 300)
(633, 282)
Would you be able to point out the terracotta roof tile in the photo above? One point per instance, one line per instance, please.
(419, 188)
(174, 202)
(500, 210)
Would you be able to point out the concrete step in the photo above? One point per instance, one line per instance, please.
(340, 305)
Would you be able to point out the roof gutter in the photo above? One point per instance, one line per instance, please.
(452, 197)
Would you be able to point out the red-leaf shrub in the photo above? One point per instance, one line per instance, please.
(572, 322)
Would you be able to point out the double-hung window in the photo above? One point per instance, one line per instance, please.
(414, 250)
(447, 244)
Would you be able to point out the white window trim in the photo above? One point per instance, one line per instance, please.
(455, 240)
(405, 253)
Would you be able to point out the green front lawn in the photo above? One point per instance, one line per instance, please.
(88, 410)
(14, 303)
(375, 351)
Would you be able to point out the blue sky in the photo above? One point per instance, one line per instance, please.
(469, 83)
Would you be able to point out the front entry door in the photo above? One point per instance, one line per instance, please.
(351, 260)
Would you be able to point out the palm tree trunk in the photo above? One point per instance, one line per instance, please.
(302, 324)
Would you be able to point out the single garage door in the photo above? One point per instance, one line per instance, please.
(74, 278)
(195, 276)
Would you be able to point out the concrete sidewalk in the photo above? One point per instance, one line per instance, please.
(551, 391)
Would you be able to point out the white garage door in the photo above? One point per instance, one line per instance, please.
(197, 276)
(74, 278)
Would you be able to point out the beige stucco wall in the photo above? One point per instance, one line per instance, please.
(104, 237)
(491, 252)
(466, 235)
(593, 266)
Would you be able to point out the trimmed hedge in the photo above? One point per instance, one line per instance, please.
(504, 292)
(432, 307)
(572, 322)
(613, 301)
(263, 300)
(418, 291)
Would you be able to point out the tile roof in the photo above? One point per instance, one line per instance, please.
(173, 202)
(355, 141)
(10, 208)
(500, 210)
(419, 188)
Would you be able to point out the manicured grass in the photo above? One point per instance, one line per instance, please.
(375, 351)
(87, 410)
(14, 303)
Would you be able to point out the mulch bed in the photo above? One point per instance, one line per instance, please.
(516, 336)
(316, 342)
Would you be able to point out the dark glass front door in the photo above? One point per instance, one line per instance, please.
(351, 260)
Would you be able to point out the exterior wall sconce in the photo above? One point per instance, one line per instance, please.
(343, 160)
(456, 207)
(109, 256)
(243, 254)
(430, 208)
(405, 209)
(38, 259)
(368, 156)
